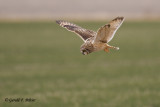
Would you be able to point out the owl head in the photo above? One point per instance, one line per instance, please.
(86, 48)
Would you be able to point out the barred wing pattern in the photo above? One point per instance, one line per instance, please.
(83, 33)
(107, 32)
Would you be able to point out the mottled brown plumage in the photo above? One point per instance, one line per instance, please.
(83, 33)
(95, 41)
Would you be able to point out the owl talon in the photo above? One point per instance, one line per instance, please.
(116, 48)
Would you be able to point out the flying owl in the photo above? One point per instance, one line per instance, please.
(95, 41)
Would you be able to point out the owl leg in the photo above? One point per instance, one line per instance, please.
(112, 47)
(106, 50)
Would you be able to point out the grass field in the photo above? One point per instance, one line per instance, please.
(42, 61)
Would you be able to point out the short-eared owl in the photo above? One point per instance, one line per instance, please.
(95, 41)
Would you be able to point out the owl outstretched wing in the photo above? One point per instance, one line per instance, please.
(107, 32)
(82, 33)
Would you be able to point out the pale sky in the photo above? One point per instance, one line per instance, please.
(78, 8)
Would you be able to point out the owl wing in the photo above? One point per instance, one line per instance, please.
(106, 32)
(82, 33)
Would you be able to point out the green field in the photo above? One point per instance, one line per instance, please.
(42, 61)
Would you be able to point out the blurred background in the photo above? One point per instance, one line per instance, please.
(40, 60)
(79, 9)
